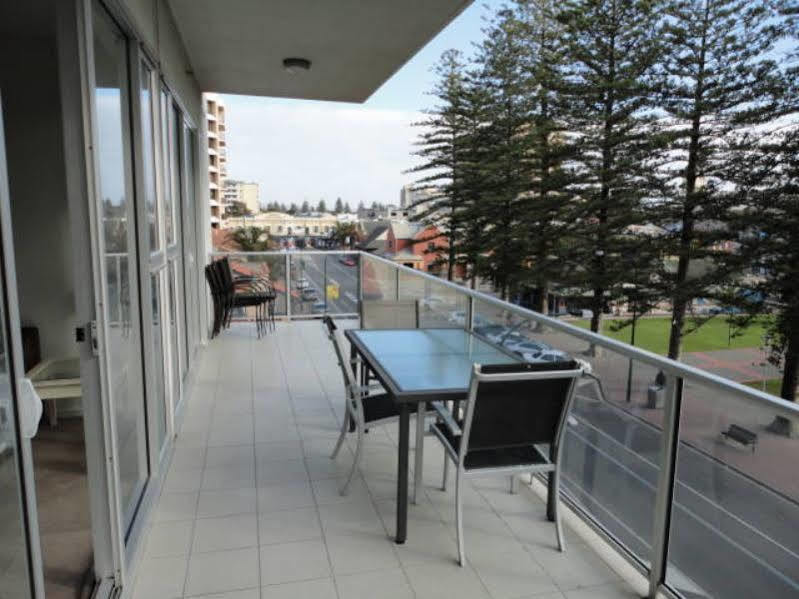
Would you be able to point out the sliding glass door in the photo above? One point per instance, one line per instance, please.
(116, 210)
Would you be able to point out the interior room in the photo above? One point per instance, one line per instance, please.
(29, 88)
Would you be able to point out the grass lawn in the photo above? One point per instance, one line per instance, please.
(772, 386)
(652, 333)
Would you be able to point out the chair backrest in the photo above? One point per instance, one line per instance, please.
(513, 405)
(335, 338)
(225, 274)
(401, 314)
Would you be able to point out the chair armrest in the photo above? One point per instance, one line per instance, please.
(446, 417)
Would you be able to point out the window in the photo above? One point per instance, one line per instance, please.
(316, 229)
(431, 246)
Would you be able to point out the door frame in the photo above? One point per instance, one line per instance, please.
(16, 371)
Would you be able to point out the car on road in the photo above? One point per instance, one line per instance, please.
(308, 294)
(319, 307)
(348, 261)
(302, 283)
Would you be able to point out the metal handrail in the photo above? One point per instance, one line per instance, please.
(667, 365)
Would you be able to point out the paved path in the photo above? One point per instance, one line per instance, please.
(742, 365)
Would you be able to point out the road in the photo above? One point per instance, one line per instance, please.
(731, 535)
(322, 270)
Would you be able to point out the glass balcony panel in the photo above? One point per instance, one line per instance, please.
(736, 499)
(379, 279)
(324, 283)
(260, 265)
(440, 306)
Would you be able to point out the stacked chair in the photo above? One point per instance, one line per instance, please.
(229, 292)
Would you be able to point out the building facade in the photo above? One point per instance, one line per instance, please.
(280, 224)
(243, 192)
(217, 155)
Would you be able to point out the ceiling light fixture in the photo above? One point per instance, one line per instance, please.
(296, 65)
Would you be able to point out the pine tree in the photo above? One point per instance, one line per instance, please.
(720, 78)
(347, 208)
(321, 207)
(306, 207)
(339, 208)
(503, 149)
(547, 201)
(611, 48)
(765, 222)
(443, 146)
(293, 209)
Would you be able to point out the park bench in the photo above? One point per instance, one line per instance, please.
(741, 435)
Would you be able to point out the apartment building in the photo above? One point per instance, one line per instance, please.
(242, 192)
(217, 155)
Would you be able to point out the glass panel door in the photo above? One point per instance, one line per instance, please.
(190, 254)
(116, 210)
(16, 518)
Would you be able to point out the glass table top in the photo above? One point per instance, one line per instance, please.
(429, 359)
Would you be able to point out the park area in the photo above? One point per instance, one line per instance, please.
(652, 333)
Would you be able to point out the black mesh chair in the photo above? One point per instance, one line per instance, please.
(363, 409)
(242, 292)
(510, 411)
(215, 288)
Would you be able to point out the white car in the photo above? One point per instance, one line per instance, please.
(526, 346)
(548, 355)
(302, 283)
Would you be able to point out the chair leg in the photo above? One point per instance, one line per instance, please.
(512, 484)
(459, 518)
(342, 436)
(556, 502)
(355, 463)
(446, 472)
(419, 454)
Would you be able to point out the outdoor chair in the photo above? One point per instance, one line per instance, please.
(215, 288)
(244, 291)
(510, 410)
(365, 409)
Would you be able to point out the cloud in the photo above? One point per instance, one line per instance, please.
(314, 150)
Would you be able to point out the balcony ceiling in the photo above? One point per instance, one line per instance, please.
(238, 46)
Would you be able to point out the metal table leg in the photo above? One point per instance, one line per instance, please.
(402, 474)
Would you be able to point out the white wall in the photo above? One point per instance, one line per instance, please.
(40, 221)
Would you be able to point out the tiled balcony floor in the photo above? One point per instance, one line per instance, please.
(250, 506)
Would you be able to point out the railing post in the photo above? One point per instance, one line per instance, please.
(664, 500)
(470, 313)
(360, 279)
(288, 286)
(397, 273)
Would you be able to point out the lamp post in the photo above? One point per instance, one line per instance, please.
(632, 298)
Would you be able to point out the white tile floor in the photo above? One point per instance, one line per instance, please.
(250, 506)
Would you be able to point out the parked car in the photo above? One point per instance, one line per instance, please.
(547, 355)
(348, 261)
(308, 293)
(319, 307)
(302, 283)
(526, 346)
(498, 333)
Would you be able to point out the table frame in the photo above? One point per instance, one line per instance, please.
(404, 400)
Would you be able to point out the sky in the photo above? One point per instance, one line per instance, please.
(307, 150)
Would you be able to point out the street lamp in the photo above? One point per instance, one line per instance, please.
(632, 298)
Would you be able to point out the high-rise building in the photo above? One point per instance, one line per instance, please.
(243, 192)
(217, 155)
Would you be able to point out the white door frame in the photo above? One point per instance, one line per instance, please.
(8, 287)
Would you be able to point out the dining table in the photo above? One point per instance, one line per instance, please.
(415, 367)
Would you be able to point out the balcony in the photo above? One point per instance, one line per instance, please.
(653, 489)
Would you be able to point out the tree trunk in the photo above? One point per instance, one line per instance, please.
(790, 376)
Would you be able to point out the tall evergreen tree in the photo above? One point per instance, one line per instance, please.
(611, 48)
(765, 221)
(720, 78)
(347, 208)
(306, 207)
(443, 146)
(546, 203)
(503, 148)
(322, 206)
(339, 207)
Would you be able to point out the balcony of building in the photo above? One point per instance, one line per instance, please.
(251, 500)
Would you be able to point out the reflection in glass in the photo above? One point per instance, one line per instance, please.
(158, 360)
(118, 217)
(166, 153)
(174, 369)
(14, 567)
(148, 156)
